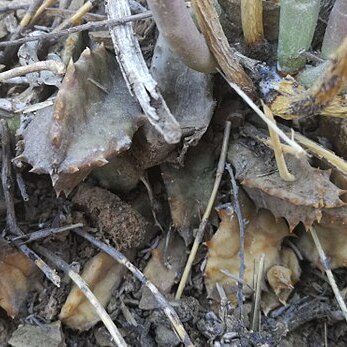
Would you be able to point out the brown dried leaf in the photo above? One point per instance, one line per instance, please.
(300, 201)
(263, 234)
(16, 276)
(102, 274)
(93, 120)
(164, 273)
(333, 239)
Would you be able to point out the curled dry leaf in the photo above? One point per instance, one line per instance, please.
(189, 187)
(115, 219)
(283, 277)
(102, 274)
(302, 200)
(85, 128)
(16, 278)
(263, 235)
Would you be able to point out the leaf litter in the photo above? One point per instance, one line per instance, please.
(134, 112)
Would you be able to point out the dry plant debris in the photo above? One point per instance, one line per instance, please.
(333, 239)
(114, 218)
(321, 98)
(303, 200)
(135, 118)
(164, 269)
(102, 274)
(79, 134)
(263, 235)
(18, 274)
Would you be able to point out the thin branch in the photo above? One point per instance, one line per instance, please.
(209, 23)
(277, 147)
(21, 186)
(11, 222)
(236, 279)
(321, 152)
(91, 26)
(83, 286)
(164, 305)
(205, 217)
(256, 307)
(9, 8)
(76, 17)
(325, 263)
(298, 149)
(237, 209)
(51, 65)
(40, 10)
(40, 234)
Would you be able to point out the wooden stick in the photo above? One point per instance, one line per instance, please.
(277, 147)
(252, 21)
(51, 65)
(200, 234)
(84, 27)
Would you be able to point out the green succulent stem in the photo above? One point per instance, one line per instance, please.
(298, 19)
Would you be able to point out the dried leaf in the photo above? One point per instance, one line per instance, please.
(263, 234)
(333, 239)
(16, 278)
(87, 127)
(164, 273)
(300, 201)
(102, 274)
(189, 188)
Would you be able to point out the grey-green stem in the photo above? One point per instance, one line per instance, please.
(298, 19)
(177, 26)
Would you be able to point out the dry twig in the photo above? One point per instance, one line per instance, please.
(325, 263)
(91, 26)
(199, 235)
(257, 295)
(40, 234)
(77, 16)
(238, 212)
(276, 145)
(83, 286)
(322, 152)
(209, 23)
(51, 65)
(164, 305)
